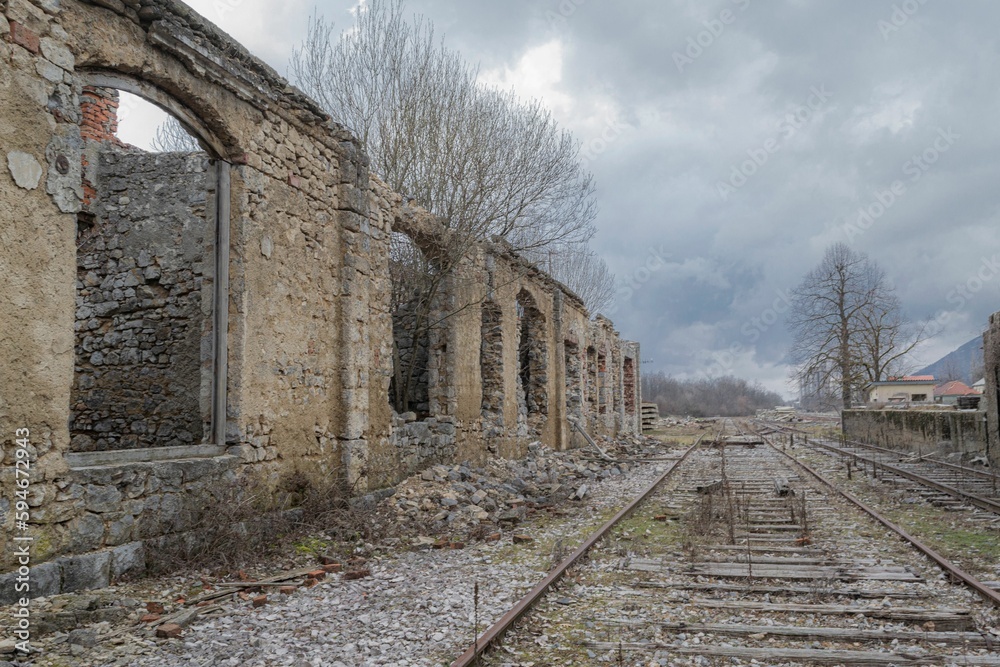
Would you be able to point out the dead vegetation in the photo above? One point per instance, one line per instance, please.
(249, 522)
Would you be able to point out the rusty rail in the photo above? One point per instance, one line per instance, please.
(497, 630)
(971, 498)
(982, 474)
(953, 570)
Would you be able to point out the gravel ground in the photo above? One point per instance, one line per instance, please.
(606, 602)
(416, 607)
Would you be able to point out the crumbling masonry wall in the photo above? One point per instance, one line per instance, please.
(919, 431)
(282, 328)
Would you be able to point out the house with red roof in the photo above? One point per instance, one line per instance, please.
(949, 392)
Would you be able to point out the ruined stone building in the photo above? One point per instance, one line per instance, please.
(174, 323)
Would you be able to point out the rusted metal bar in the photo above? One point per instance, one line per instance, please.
(497, 630)
(958, 573)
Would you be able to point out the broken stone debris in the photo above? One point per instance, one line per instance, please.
(459, 497)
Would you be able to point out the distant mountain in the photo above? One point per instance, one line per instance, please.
(965, 364)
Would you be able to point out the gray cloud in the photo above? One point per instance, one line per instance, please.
(895, 80)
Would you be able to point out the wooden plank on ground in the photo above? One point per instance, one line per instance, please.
(943, 619)
(870, 593)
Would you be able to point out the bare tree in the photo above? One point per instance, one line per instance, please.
(580, 269)
(484, 162)
(171, 137)
(724, 396)
(885, 339)
(847, 324)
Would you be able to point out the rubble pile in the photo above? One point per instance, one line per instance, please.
(460, 497)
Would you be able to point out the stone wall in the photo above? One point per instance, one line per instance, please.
(421, 444)
(919, 431)
(298, 385)
(144, 303)
(991, 397)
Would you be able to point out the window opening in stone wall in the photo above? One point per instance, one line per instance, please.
(629, 381)
(415, 284)
(615, 380)
(592, 380)
(491, 369)
(574, 380)
(602, 383)
(532, 360)
(144, 290)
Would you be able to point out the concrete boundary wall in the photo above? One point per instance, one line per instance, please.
(919, 431)
(295, 354)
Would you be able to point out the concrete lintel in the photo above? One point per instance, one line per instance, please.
(124, 456)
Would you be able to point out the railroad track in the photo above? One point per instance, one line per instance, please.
(945, 484)
(738, 554)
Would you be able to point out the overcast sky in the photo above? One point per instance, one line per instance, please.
(734, 140)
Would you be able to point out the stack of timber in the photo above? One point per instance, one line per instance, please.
(650, 413)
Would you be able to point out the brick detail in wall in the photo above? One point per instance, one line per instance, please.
(98, 122)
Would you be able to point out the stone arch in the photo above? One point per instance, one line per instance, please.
(103, 78)
(532, 362)
(414, 293)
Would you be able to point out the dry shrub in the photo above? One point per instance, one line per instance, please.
(248, 522)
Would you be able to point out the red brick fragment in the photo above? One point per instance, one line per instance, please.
(523, 539)
(318, 575)
(309, 582)
(154, 607)
(260, 601)
(440, 544)
(287, 590)
(204, 603)
(327, 560)
(149, 618)
(357, 574)
(494, 537)
(169, 631)
(660, 517)
(20, 35)
(332, 567)
(456, 545)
